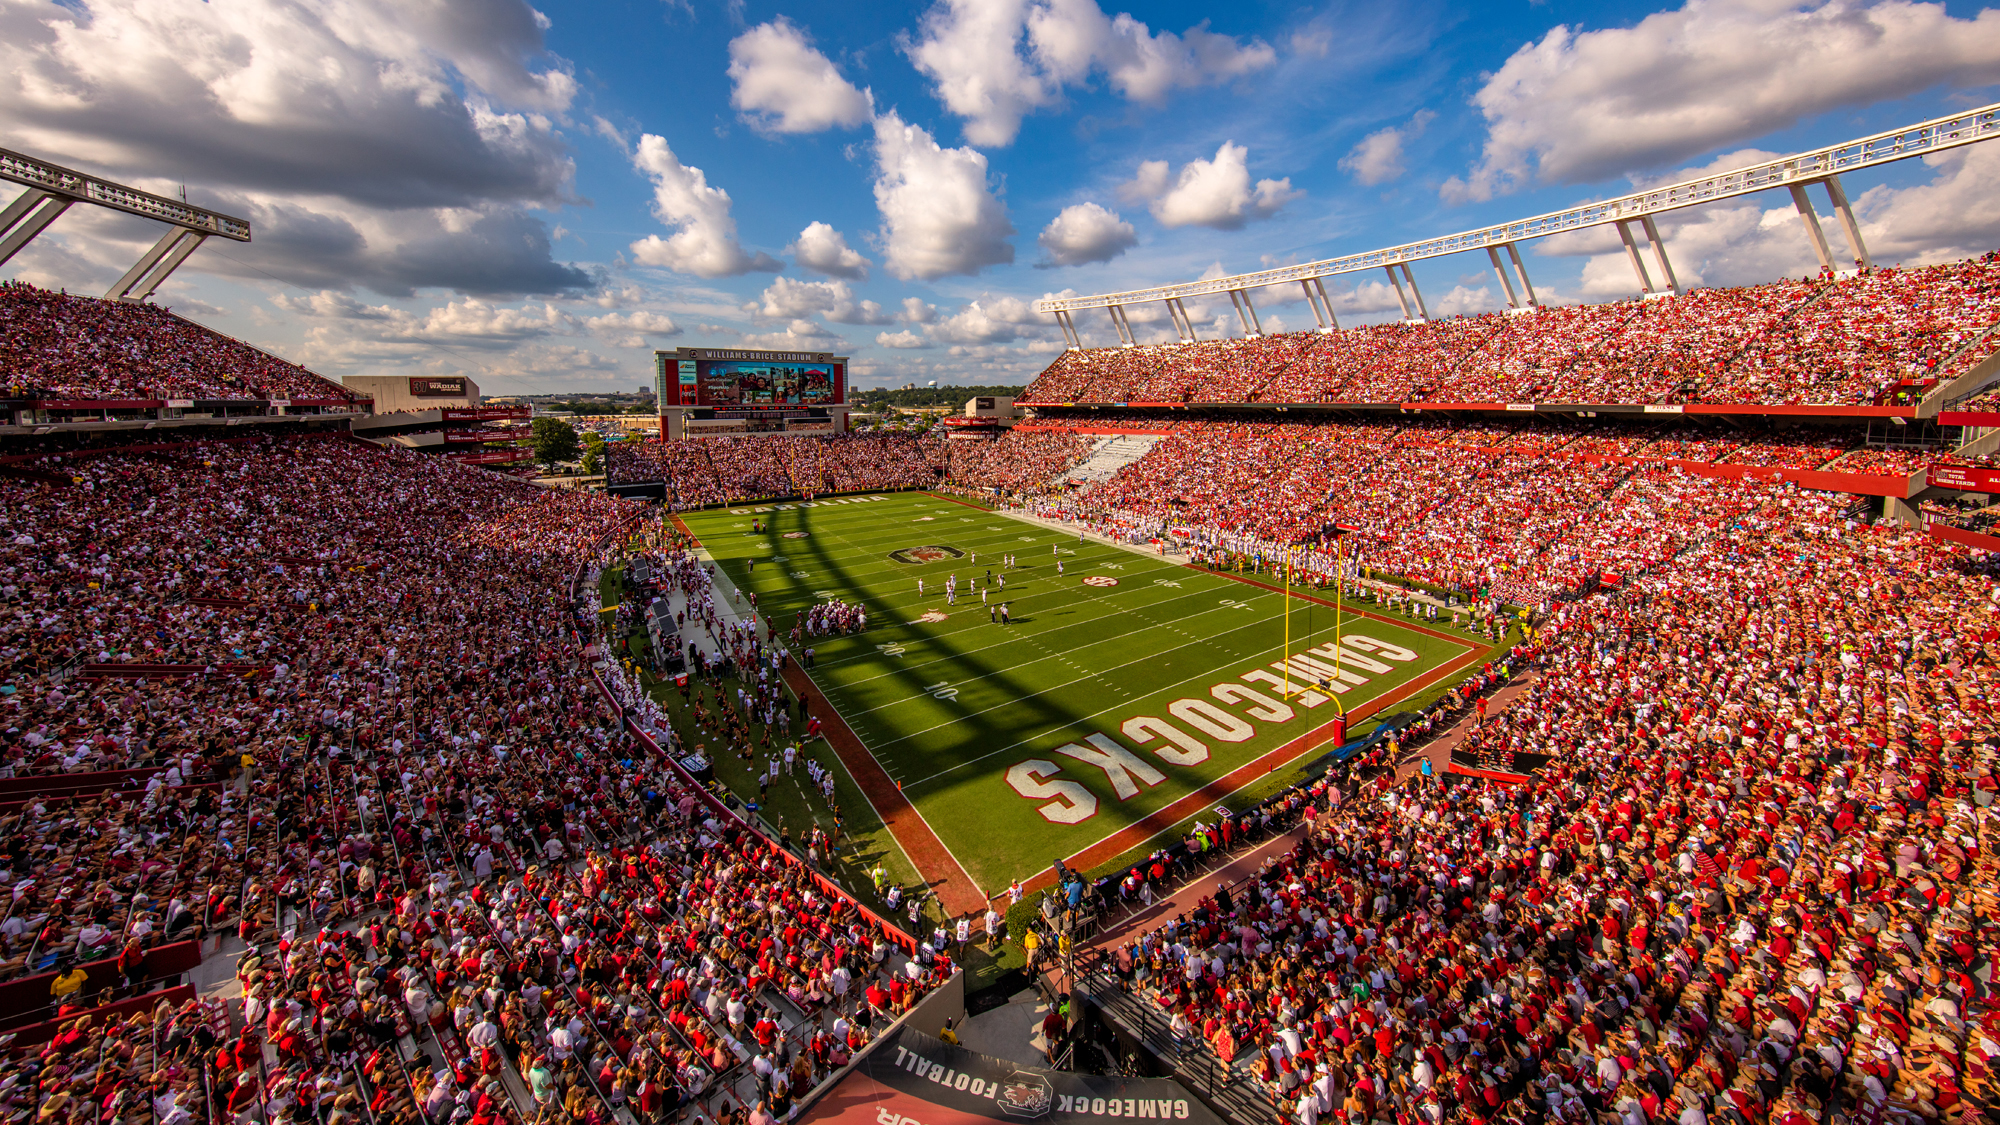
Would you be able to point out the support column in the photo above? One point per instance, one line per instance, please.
(1319, 314)
(1852, 229)
(1333, 322)
(23, 203)
(1632, 256)
(1181, 306)
(1813, 230)
(1660, 254)
(152, 281)
(122, 289)
(29, 220)
(1521, 272)
(1256, 324)
(1118, 325)
(1242, 318)
(1506, 286)
(1415, 294)
(1398, 283)
(1068, 327)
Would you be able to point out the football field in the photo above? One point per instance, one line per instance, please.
(1127, 693)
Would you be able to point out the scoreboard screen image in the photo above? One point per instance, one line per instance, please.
(748, 380)
(763, 383)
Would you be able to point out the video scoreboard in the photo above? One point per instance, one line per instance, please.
(737, 380)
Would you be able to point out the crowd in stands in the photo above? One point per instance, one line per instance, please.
(1452, 507)
(1756, 882)
(60, 346)
(1859, 340)
(1016, 461)
(724, 470)
(371, 749)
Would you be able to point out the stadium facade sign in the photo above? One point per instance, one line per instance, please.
(425, 387)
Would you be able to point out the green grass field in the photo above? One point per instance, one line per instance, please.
(1124, 685)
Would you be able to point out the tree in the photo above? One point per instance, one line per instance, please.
(554, 440)
(593, 458)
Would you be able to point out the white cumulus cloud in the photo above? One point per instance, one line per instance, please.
(1578, 106)
(1378, 159)
(782, 83)
(822, 249)
(787, 299)
(939, 215)
(394, 146)
(1208, 193)
(991, 62)
(1086, 232)
(704, 243)
(633, 329)
(992, 320)
(902, 339)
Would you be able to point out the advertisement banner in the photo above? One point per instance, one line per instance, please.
(1968, 478)
(912, 1079)
(422, 387)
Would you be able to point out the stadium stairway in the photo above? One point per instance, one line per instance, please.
(1109, 456)
(1228, 1089)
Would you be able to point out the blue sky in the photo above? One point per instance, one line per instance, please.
(539, 197)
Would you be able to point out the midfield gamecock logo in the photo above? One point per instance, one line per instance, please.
(916, 556)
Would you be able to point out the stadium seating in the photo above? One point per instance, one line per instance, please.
(1871, 339)
(1754, 882)
(63, 347)
(348, 676)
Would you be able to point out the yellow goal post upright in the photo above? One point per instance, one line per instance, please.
(1338, 533)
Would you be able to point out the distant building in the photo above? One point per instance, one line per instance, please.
(983, 416)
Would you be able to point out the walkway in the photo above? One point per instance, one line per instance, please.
(1439, 749)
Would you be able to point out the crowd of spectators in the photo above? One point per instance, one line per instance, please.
(1018, 460)
(60, 346)
(725, 470)
(1469, 509)
(1756, 881)
(372, 750)
(1876, 337)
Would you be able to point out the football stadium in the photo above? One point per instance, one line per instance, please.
(1276, 708)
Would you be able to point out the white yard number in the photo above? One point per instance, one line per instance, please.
(800, 574)
(892, 649)
(1114, 566)
(995, 529)
(942, 690)
(823, 593)
(1232, 603)
(1027, 539)
(965, 519)
(1166, 582)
